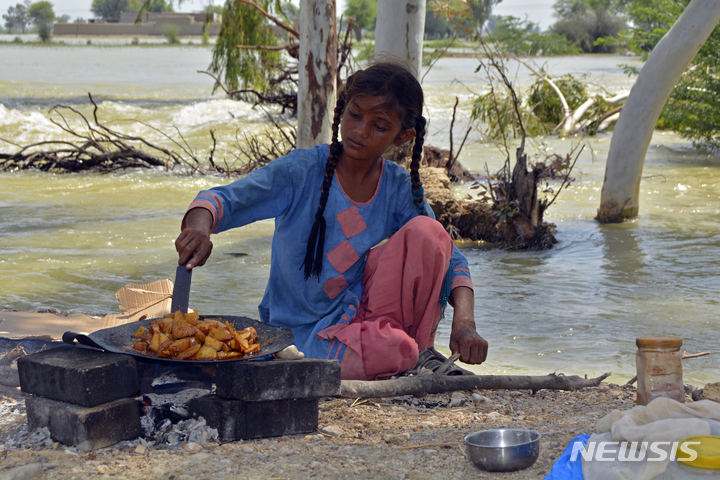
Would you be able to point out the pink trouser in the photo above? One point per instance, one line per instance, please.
(399, 309)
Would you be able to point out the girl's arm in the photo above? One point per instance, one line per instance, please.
(464, 338)
(193, 244)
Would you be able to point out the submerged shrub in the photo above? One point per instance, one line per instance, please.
(545, 103)
(172, 34)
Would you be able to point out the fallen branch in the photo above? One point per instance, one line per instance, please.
(98, 148)
(433, 383)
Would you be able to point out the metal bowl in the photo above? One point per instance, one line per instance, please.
(503, 449)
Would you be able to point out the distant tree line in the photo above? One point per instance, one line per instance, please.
(39, 15)
(111, 9)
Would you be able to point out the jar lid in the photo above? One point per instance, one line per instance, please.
(658, 342)
(707, 448)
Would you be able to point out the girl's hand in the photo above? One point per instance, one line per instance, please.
(194, 245)
(469, 344)
(464, 338)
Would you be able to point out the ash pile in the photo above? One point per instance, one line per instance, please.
(165, 420)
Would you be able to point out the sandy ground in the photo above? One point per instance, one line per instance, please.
(398, 438)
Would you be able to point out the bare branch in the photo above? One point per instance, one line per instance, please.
(272, 18)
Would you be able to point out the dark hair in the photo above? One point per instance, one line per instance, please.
(402, 91)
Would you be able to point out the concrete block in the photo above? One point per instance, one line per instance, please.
(80, 376)
(256, 381)
(86, 428)
(240, 420)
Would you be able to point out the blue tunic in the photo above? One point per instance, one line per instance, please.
(288, 190)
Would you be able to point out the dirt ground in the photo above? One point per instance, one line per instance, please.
(392, 438)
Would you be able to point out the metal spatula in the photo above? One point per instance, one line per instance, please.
(181, 289)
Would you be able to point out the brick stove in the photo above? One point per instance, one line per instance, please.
(88, 398)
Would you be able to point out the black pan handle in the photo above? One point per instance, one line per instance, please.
(70, 337)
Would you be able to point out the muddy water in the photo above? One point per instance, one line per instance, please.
(71, 241)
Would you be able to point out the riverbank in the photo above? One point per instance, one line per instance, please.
(403, 437)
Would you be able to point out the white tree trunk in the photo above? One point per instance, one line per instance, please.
(317, 72)
(399, 31)
(634, 129)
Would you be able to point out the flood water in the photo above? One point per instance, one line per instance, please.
(71, 241)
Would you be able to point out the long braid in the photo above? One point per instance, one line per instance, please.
(418, 191)
(312, 265)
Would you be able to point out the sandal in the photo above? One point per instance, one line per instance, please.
(428, 363)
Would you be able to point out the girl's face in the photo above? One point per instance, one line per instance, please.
(368, 129)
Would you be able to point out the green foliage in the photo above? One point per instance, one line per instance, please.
(692, 109)
(289, 12)
(545, 102)
(109, 8)
(497, 117)
(364, 12)
(250, 69)
(436, 26)
(220, 10)
(521, 37)
(157, 6)
(172, 34)
(17, 17)
(468, 17)
(583, 22)
(650, 22)
(42, 16)
(365, 51)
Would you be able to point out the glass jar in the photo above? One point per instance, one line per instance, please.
(659, 369)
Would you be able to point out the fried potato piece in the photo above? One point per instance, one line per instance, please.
(229, 355)
(252, 332)
(163, 350)
(182, 329)
(166, 325)
(206, 353)
(186, 337)
(199, 335)
(181, 345)
(187, 354)
(241, 341)
(140, 331)
(157, 340)
(213, 343)
(220, 334)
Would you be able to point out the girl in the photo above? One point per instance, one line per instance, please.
(373, 309)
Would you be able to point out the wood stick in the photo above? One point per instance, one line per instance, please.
(423, 384)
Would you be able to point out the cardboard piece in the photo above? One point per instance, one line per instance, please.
(145, 301)
(712, 392)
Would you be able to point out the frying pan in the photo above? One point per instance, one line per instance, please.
(118, 339)
(272, 339)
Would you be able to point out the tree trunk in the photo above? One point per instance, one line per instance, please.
(634, 129)
(317, 68)
(399, 31)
